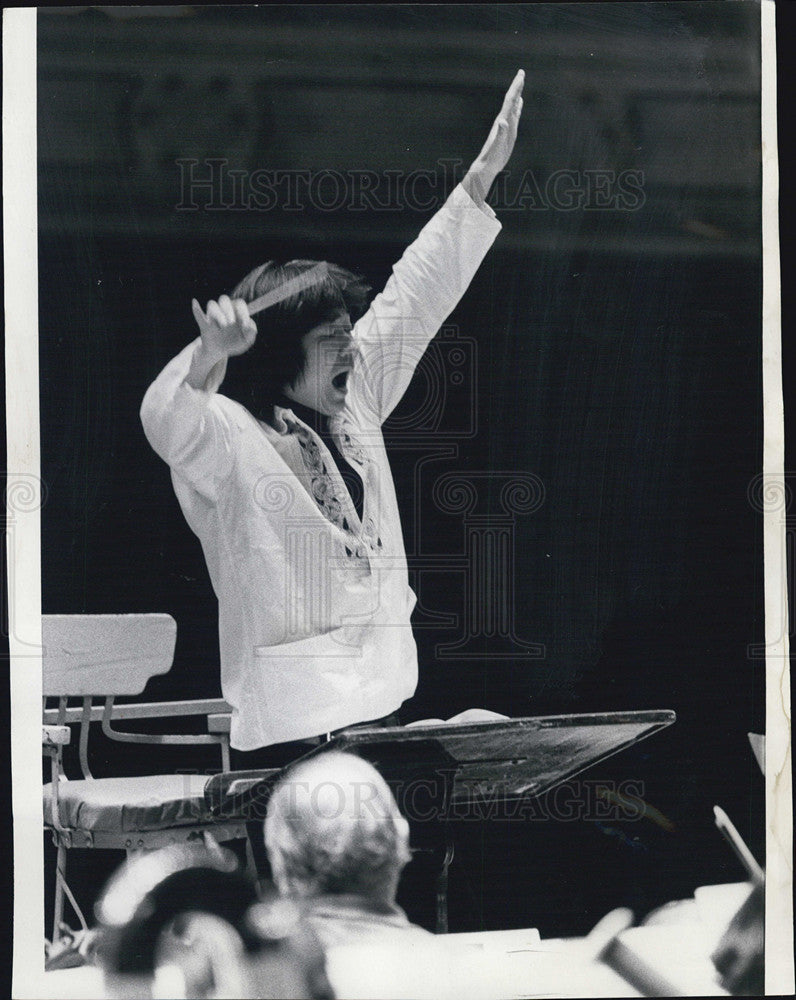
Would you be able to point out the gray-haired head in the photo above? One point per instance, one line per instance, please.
(333, 826)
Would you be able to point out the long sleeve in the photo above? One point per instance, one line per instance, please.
(425, 286)
(187, 427)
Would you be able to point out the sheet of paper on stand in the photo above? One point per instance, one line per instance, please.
(716, 906)
(469, 715)
(691, 972)
(689, 929)
(453, 970)
(513, 940)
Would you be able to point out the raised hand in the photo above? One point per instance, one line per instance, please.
(226, 328)
(499, 145)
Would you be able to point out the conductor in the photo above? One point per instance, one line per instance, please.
(288, 486)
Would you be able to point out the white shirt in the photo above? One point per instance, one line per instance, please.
(314, 603)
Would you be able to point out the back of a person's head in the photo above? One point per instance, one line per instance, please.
(334, 827)
(257, 378)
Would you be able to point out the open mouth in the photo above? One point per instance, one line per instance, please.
(340, 381)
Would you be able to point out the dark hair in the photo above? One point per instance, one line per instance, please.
(257, 378)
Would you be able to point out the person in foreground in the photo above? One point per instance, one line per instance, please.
(337, 842)
(288, 486)
(184, 922)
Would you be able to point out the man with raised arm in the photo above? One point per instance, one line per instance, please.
(287, 485)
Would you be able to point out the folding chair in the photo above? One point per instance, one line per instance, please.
(105, 656)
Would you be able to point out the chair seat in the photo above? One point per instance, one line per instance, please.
(130, 805)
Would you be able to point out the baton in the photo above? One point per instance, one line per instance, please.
(314, 276)
(733, 838)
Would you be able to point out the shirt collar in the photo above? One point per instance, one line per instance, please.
(352, 903)
(288, 410)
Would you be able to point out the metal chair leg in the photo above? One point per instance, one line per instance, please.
(60, 874)
(442, 888)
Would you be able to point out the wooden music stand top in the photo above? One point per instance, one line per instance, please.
(462, 762)
(508, 758)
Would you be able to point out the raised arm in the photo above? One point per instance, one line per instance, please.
(180, 415)
(432, 275)
(499, 145)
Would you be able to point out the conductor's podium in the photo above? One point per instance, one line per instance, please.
(444, 771)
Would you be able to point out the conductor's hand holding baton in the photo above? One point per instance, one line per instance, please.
(226, 329)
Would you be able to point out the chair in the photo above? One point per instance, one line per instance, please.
(105, 656)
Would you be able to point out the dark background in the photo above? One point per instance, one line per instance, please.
(614, 355)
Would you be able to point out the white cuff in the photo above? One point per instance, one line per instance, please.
(216, 374)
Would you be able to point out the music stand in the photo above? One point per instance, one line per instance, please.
(440, 771)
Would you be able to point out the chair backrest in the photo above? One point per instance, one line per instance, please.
(87, 655)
